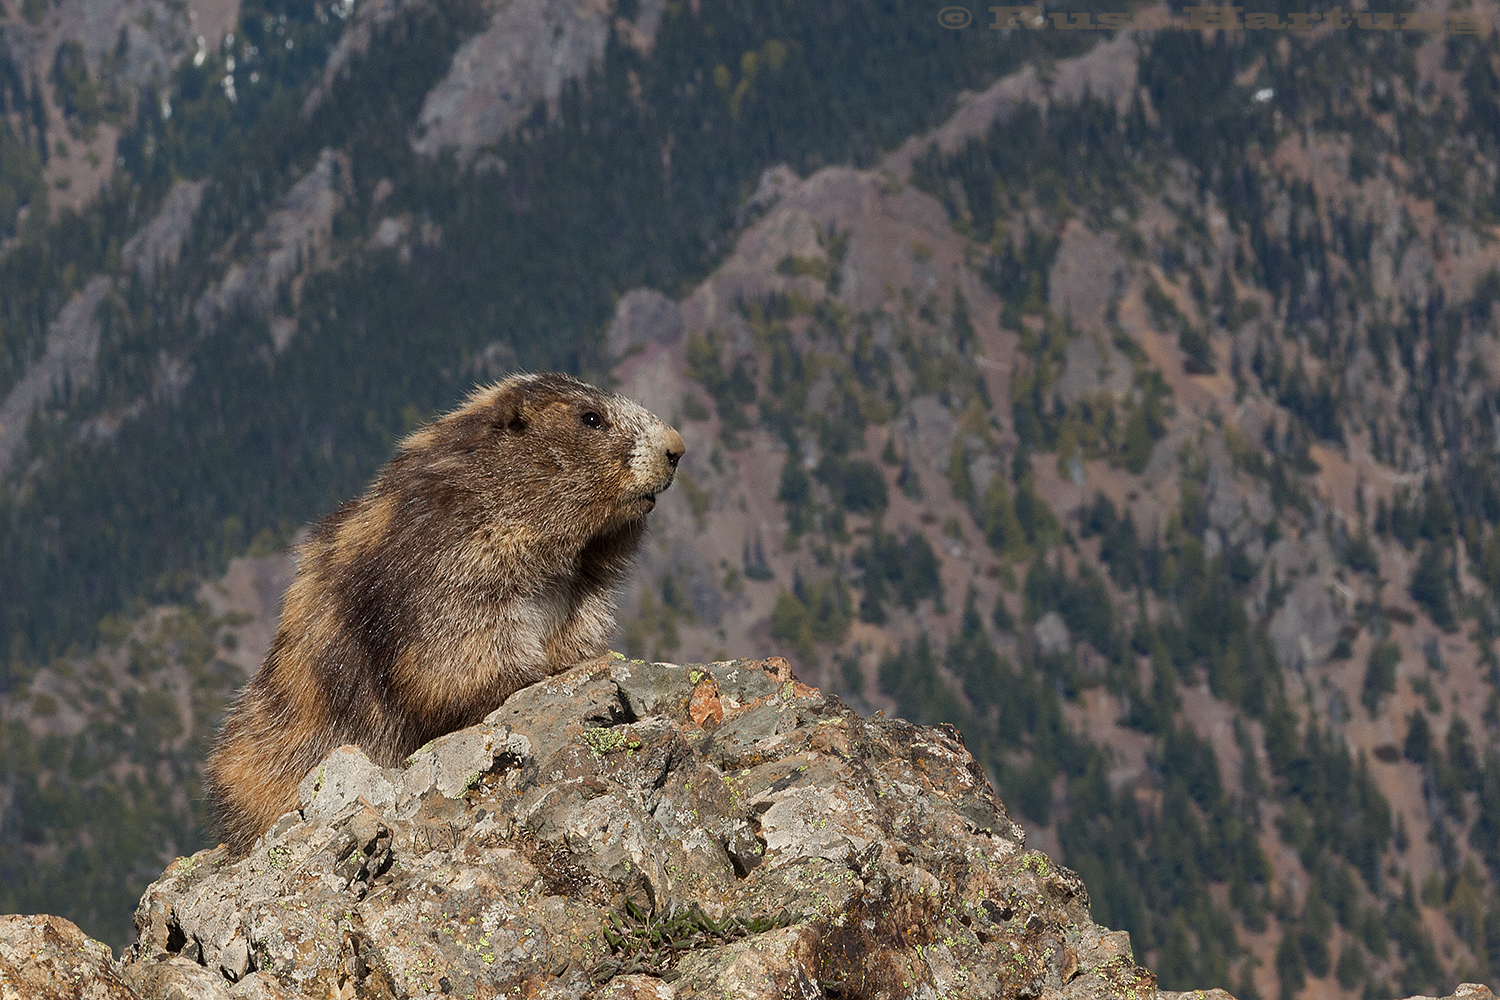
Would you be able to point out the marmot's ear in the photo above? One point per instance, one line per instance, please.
(508, 410)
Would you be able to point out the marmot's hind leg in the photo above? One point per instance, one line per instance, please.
(248, 790)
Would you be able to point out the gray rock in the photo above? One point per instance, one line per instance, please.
(1306, 625)
(49, 958)
(643, 316)
(1091, 367)
(452, 763)
(528, 53)
(296, 236)
(67, 365)
(73, 334)
(1051, 634)
(1086, 272)
(789, 847)
(177, 978)
(335, 787)
(158, 243)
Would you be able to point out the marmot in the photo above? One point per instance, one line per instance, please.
(482, 558)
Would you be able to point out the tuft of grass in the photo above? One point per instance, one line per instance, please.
(650, 942)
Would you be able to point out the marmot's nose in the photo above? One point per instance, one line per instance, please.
(676, 447)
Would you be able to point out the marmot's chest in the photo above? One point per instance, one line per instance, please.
(541, 618)
(524, 637)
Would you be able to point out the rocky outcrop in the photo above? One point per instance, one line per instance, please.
(125, 46)
(529, 52)
(625, 829)
(643, 317)
(294, 240)
(629, 829)
(158, 243)
(72, 347)
(1107, 71)
(49, 958)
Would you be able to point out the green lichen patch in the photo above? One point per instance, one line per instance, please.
(610, 740)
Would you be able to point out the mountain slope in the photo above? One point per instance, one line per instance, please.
(1114, 426)
(243, 384)
(1138, 418)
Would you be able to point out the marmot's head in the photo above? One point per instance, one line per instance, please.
(558, 456)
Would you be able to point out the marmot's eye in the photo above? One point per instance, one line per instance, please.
(592, 420)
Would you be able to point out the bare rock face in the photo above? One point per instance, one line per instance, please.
(529, 52)
(124, 46)
(643, 316)
(294, 240)
(630, 829)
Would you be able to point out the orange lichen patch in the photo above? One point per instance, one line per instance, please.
(704, 707)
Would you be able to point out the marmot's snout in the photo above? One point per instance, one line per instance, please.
(655, 465)
(655, 462)
(676, 447)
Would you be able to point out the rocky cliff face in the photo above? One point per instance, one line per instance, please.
(109, 53)
(72, 345)
(902, 348)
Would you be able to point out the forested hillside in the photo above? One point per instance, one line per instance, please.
(1127, 400)
(585, 204)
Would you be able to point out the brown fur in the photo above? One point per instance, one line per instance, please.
(483, 557)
